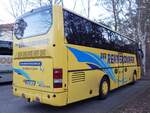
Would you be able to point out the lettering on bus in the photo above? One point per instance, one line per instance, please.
(114, 58)
(33, 53)
(32, 65)
(36, 83)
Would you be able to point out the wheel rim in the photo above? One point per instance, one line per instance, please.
(105, 88)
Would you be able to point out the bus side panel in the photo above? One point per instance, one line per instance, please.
(83, 81)
(128, 74)
(85, 64)
(130, 67)
(83, 84)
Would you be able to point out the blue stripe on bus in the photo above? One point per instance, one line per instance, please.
(22, 73)
(95, 60)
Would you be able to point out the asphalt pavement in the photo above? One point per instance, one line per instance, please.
(117, 98)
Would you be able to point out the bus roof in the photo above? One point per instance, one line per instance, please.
(34, 11)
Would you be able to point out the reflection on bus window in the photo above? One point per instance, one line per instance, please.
(34, 24)
(80, 31)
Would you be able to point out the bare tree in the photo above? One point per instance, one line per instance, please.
(89, 7)
(128, 24)
(115, 9)
(123, 16)
(85, 7)
(19, 7)
(114, 13)
(143, 29)
(74, 6)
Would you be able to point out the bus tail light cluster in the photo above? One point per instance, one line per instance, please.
(57, 77)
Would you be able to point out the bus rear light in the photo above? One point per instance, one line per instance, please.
(57, 76)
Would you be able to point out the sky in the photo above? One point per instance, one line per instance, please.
(6, 17)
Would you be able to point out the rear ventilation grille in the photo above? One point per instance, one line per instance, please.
(78, 77)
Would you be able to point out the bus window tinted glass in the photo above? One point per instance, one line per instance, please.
(81, 31)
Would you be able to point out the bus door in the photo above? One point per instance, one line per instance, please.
(120, 70)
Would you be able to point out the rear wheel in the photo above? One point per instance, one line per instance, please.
(134, 78)
(104, 88)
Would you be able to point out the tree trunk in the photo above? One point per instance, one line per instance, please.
(144, 23)
(115, 14)
(89, 7)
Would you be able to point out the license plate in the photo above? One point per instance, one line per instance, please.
(30, 82)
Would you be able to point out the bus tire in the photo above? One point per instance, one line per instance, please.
(104, 88)
(134, 77)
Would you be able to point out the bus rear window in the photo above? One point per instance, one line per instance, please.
(35, 23)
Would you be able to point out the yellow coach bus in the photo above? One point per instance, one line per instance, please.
(61, 57)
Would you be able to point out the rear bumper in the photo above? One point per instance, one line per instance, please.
(54, 99)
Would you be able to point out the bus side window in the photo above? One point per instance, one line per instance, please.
(80, 31)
